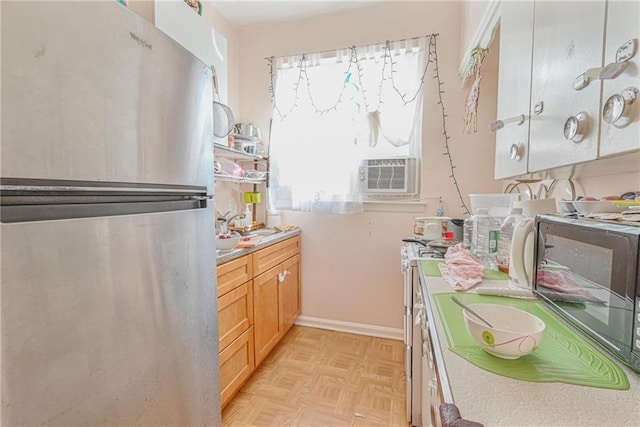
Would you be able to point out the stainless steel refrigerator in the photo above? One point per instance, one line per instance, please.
(109, 309)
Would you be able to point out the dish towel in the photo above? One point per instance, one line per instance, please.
(462, 270)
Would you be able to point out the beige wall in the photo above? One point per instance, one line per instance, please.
(472, 13)
(351, 263)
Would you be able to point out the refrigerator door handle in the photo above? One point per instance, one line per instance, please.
(27, 187)
(40, 212)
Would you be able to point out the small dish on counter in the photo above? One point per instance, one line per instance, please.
(515, 332)
(599, 206)
(227, 241)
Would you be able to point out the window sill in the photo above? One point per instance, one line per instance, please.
(393, 206)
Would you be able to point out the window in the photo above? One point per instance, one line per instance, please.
(331, 110)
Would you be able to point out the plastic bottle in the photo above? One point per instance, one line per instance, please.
(506, 235)
(248, 217)
(486, 235)
(467, 233)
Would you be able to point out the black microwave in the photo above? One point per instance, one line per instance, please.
(588, 272)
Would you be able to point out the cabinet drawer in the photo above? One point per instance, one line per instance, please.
(234, 273)
(235, 313)
(236, 365)
(269, 257)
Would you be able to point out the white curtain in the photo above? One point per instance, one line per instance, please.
(330, 113)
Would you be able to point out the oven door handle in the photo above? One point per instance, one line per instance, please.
(418, 317)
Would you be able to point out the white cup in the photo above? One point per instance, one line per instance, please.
(246, 129)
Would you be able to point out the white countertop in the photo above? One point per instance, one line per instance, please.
(226, 256)
(494, 400)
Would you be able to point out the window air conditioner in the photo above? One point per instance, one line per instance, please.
(391, 176)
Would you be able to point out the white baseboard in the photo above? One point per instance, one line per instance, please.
(350, 327)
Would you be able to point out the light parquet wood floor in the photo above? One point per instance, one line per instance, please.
(316, 377)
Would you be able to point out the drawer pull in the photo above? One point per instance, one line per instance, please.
(281, 276)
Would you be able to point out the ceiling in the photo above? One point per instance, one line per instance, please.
(249, 12)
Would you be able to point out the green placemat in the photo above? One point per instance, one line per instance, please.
(430, 268)
(563, 355)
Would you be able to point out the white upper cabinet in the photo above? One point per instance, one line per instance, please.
(568, 41)
(514, 87)
(620, 129)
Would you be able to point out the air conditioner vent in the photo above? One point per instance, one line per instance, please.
(391, 176)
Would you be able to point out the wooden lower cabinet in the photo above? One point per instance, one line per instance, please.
(254, 312)
(234, 273)
(236, 365)
(276, 304)
(235, 314)
(274, 255)
(290, 303)
(266, 312)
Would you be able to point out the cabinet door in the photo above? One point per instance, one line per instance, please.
(266, 312)
(236, 365)
(290, 292)
(622, 26)
(514, 88)
(235, 314)
(568, 41)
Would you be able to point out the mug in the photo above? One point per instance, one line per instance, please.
(246, 129)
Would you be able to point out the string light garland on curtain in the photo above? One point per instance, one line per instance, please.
(432, 58)
(447, 152)
(353, 60)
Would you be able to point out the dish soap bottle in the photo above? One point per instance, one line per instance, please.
(248, 217)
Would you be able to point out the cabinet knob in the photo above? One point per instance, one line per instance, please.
(516, 151)
(616, 109)
(576, 127)
(499, 124)
(538, 108)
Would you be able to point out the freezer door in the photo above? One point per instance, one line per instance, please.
(110, 320)
(93, 92)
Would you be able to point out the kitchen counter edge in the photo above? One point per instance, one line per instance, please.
(495, 400)
(267, 241)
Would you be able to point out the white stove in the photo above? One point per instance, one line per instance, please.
(416, 251)
(419, 371)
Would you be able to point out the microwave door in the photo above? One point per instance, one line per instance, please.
(585, 283)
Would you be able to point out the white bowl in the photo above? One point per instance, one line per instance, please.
(515, 332)
(228, 243)
(565, 206)
(602, 206)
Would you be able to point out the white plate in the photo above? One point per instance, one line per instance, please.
(598, 206)
(562, 189)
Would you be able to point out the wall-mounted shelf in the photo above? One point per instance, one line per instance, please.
(240, 157)
(233, 154)
(229, 178)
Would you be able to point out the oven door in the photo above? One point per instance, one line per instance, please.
(407, 274)
(587, 272)
(416, 359)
